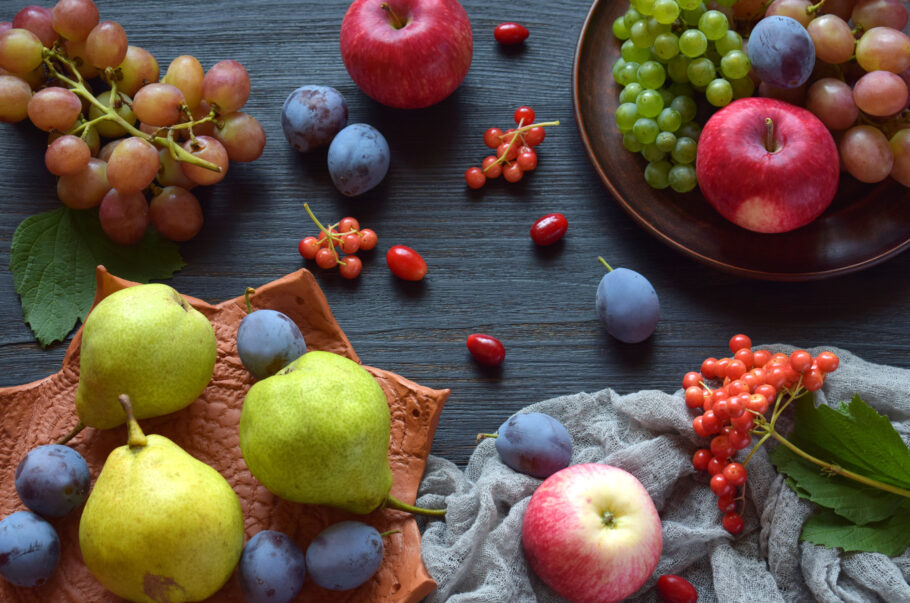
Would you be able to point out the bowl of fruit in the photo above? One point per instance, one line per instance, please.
(674, 101)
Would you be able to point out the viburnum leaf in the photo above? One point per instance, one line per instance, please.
(890, 537)
(53, 258)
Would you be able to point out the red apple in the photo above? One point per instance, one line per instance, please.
(767, 165)
(592, 533)
(407, 54)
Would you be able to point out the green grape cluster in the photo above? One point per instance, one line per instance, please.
(673, 51)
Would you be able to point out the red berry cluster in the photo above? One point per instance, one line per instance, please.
(345, 236)
(515, 152)
(748, 384)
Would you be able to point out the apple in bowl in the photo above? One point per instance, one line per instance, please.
(591, 532)
(407, 54)
(767, 165)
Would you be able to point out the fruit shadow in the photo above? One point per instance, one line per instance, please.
(549, 253)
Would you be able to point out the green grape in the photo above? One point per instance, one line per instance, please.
(735, 64)
(631, 143)
(701, 71)
(666, 46)
(690, 129)
(631, 52)
(681, 178)
(630, 18)
(731, 41)
(665, 141)
(693, 43)
(617, 67)
(688, 4)
(744, 87)
(719, 92)
(626, 116)
(713, 24)
(691, 17)
(651, 74)
(666, 11)
(640, 35)
(630, 92)
(685, 150)
(669, 119)
(676, 69)
(619, 29)
(686, 107)
(645, 7)
(651, 153)
(655, 27)
(666, 95)
(628, 73)
(649, 103)
(657, 174)
(646, 130)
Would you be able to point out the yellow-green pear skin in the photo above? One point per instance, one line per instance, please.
(317, 432)
(148, 342)
(161, 526)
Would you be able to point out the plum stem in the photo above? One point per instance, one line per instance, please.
(770, 143)
(484, 436)
(246, 298)
(604, 262)
(72, 434)
(396, 21)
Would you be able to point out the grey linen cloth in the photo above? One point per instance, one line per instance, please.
(475, 554)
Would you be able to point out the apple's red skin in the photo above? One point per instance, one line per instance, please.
(412, 67)
(760, 190)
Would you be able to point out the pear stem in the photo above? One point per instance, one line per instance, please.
(246, 297)
(393, 503)
(72, 434)
(136, 437)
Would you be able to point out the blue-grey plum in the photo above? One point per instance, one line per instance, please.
(358, 159)
(52, 480)
(534, 443)
(267, 340)
(781, 51)
(344, 555)
(29, 549)
(272, 568)
(312, 116)
(627, 305)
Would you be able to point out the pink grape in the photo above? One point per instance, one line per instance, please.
(865, 154)
(14, 96)
(89, 137)
(227, 86)
(54, 108)
(170, 173)
(794, 96)
(831, 100)
(795, 9)
(186, 73)
(74, 19)
(106, 45)
(68, 154)
(900, 148)
(104, 154)
(880, 93)
(39, 21)
(158, 104)
(138, 68)
(75, 50)
(124, 217)
(877, 13)
(133, 165)
(176, 213)
(242, 136)
(209, 149)
(883, 48)
(833, 39)
(841, 8)
(86, 188)
(20, 50)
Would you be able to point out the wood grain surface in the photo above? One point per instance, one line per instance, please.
(485, 275)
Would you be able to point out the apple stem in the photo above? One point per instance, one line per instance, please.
(396, 21)
(393, 503)
(604, 262)
(246, 297)
(483, 436)
(770, 143)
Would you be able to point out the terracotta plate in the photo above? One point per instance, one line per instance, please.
(865, 224)
(40, 412)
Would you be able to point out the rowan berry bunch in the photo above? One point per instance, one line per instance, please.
(515, 150)
(344, 236)
(733, 396)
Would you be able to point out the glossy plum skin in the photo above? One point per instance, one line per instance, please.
(344, 555)
(627, 305)
(29, 549)
(535, 444)
(486, 349)
(267, 340)
(312, 116)
(781, 52)
(52, 480)
(358, 159)
(272, 568)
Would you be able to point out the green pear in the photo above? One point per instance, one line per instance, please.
(159, 525)
(317, 432)
(149, 343)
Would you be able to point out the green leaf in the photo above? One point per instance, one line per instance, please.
(856, 502)
(53, 258)
(855, 437)
(889, 537)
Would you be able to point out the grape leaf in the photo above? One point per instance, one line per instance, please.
(53, 258)
(890, 537)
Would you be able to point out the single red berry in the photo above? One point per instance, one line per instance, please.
(512, 173)
(350, 243)
(475, 177)
(736, 474)
(710, 422)
(721, 447)
(737, 342)
(760, 358)
(527, 159)
(733, 523)
(757, 403)
(720, 486)
(708, 367)
(745, 356)
(492, 137)
(307, 247)
(691, 378)
(535, 136)
(491, 167)
(739, 439)
(368, 239)
(694, 395)
(716, 465)
(800, 360)
(405, 263)
(698, 426)
(813, 379)
(726, 504)
(827, 362)
(524, 115)
(701, 458)
(510, 33)
(744, 422)
(549, 229)
(676, 589)
(735, 369)
(509, 152)
(486, 349)
(348, 224)
(325, 258)
(350, 266)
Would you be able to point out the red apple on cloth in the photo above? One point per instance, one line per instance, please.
(407, 54)
(767, 165)
(592, 533)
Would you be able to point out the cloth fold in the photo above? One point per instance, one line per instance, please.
(475, 554)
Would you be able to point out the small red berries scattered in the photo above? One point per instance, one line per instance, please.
(515, 150)
(345, 236)
(676, 589)
(549, 229)
(486, 349)
(405, 263)
(509, 33)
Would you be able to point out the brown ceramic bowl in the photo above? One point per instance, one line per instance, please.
(865, 224)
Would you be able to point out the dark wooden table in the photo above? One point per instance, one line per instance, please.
(485, 275)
